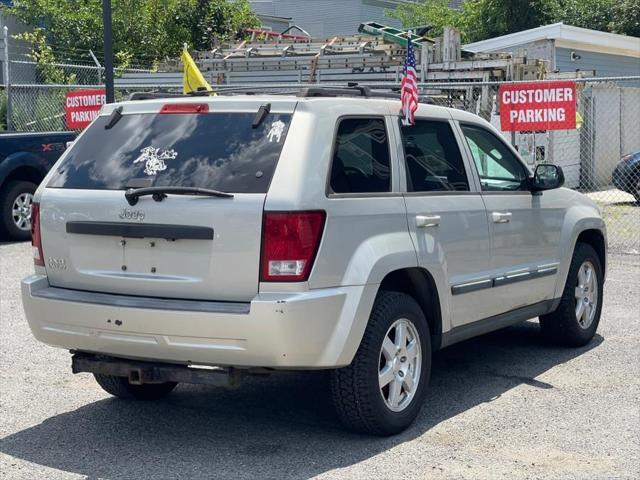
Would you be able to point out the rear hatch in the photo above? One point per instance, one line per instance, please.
(173, 246)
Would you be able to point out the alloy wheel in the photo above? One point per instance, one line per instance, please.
(400, 363)
(21, 211)
(586, 294)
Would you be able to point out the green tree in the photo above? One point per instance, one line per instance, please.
(482, 19)
(594, 14)
(626, 17)
(491, 18)
(434, 13)
(476, 19)
(143, 30)
(42, 54)
(617, 16)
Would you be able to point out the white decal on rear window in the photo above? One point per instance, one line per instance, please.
(155, 159)
(276, 131)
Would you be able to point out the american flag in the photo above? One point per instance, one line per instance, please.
(409, 86)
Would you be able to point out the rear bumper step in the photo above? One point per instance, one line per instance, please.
(131, 301)
(140, 373)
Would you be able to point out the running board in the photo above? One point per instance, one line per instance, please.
(503, 320)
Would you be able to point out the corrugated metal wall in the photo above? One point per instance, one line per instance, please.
(605, 65)
(325, 18)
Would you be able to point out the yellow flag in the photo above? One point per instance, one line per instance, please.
(192, 78)
(579, 120)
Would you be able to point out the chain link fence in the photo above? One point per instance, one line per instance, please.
(26, 72)
(592, 156)
(597, 157)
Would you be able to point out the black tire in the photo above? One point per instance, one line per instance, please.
(355, 390)
(562, 327)
(121, 388)
(8, 195)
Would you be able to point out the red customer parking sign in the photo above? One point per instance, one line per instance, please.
(81, 107)
(538, 106)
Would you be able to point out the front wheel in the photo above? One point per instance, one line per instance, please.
(576, 319)
(382, 391)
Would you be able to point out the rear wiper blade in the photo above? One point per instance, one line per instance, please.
(261, 114)
(114, 118)
(160, 193)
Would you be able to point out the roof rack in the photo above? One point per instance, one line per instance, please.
(351, 90)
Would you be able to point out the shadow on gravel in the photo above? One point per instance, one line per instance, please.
(279, 427)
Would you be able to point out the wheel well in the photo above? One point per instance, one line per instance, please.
(419, 284)
(28, 174)
(596, 240)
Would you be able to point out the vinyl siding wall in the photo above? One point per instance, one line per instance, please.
(604, 64)
(540, 49)
(326, 18)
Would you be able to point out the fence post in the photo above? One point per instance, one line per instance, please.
(7, 79)
(95, 60)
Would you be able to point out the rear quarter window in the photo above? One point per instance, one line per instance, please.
(219, 151)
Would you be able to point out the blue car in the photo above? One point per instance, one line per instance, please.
(626, 176)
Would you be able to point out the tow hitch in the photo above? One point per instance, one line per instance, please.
(139, 372)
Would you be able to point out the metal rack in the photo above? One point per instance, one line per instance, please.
(374, 56)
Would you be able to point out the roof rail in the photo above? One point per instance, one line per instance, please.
(153, 95)
(352, 90)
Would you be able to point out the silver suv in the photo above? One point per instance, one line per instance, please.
(208, 238)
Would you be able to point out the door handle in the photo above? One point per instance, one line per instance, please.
(501, 217)
(424, 221)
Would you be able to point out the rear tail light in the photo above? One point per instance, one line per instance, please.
(290, 242)
(36, 238)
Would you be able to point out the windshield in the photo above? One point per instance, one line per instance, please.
(218, 151)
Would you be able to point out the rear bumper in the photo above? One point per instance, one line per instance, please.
(313, 329)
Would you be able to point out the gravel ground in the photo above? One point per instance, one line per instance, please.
(622, 215)
(501, 406)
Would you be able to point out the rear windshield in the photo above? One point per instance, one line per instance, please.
(220, 151)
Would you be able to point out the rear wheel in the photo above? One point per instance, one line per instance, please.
(575, 321)
(382, 391)
(15, 207)
(121, 388)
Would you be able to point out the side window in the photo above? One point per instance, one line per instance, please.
(432, 158)
(498, 167)
(361, 157)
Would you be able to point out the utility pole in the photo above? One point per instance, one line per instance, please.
(108, 50)
(7, 79)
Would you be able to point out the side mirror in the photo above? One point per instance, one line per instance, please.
(547, 177)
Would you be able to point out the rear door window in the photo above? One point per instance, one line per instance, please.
(219, 151)
(432, 157)
(361, 157)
